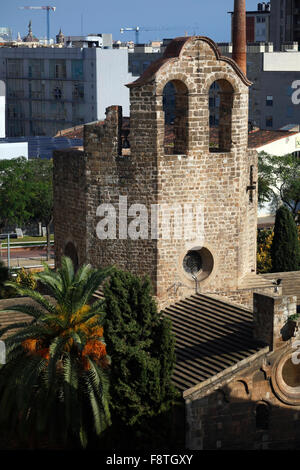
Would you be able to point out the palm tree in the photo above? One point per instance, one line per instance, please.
(55, 380)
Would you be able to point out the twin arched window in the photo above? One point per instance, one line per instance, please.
(176, 110)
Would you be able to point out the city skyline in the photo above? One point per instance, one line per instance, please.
(74, 18)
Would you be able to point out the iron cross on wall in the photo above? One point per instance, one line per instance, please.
(252, 186)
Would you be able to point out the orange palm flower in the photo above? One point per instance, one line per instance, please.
(30, 345)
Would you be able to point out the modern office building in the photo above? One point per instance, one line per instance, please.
(53, 88)
(274, 95)
(285, 22)
(10, 149)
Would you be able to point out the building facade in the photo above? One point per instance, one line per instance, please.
(273, 97)
(233, 351)
(49, 89)
(285, 22)
(258, 23)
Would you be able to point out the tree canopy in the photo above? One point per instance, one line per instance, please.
(279, 181)
(285, 248)
(54, 385)
(25, 191)
(141, 345)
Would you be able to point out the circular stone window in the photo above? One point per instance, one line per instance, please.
(198, 263)
(291, 374)
(286, 379)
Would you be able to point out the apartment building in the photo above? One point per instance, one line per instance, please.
(257, 23)
(51, 88)
(274, 76)
(285, 22)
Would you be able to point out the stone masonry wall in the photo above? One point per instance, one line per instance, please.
(225, 416)
(216, 182)
(70, 211)
(223, 412)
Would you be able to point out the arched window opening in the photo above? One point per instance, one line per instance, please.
(220, 116)
(262, 416)
(175, 106)
(71, 252)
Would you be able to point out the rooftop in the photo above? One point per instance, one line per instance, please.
(211, 336)
(256, 138)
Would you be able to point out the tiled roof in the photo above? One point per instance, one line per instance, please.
(77, 131)
(256, 138)
(71, 133)
(173, 51)
(260, 137)
(10, 317)
(211, 336)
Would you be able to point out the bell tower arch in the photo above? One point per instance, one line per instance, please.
(192, 175)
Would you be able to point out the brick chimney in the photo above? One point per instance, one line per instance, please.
(239, 42)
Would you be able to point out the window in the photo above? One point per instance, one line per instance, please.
(37, 89)
(57, 93)
(57, 68)
(269, 121)
(198, 263)
(175, 106)
(57, 111)
(78, 91)
(269, 101)
(14, 68)
(15, 88)
(77, 69)
(262, 417)
(35, 68)
(220, 116)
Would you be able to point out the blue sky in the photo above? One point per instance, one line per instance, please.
(208, 18)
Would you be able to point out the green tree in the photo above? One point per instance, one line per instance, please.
(54, 384)
(26, 193)
(279, 181)
(141, 345)
(285, 249)
(14, 192)
(41, 197)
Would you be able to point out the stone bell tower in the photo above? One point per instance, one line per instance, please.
(219, 182)
(201, 201)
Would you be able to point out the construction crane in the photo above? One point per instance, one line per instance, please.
(48, 9)
(137, 30)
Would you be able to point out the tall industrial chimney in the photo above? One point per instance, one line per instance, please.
(239, 41)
